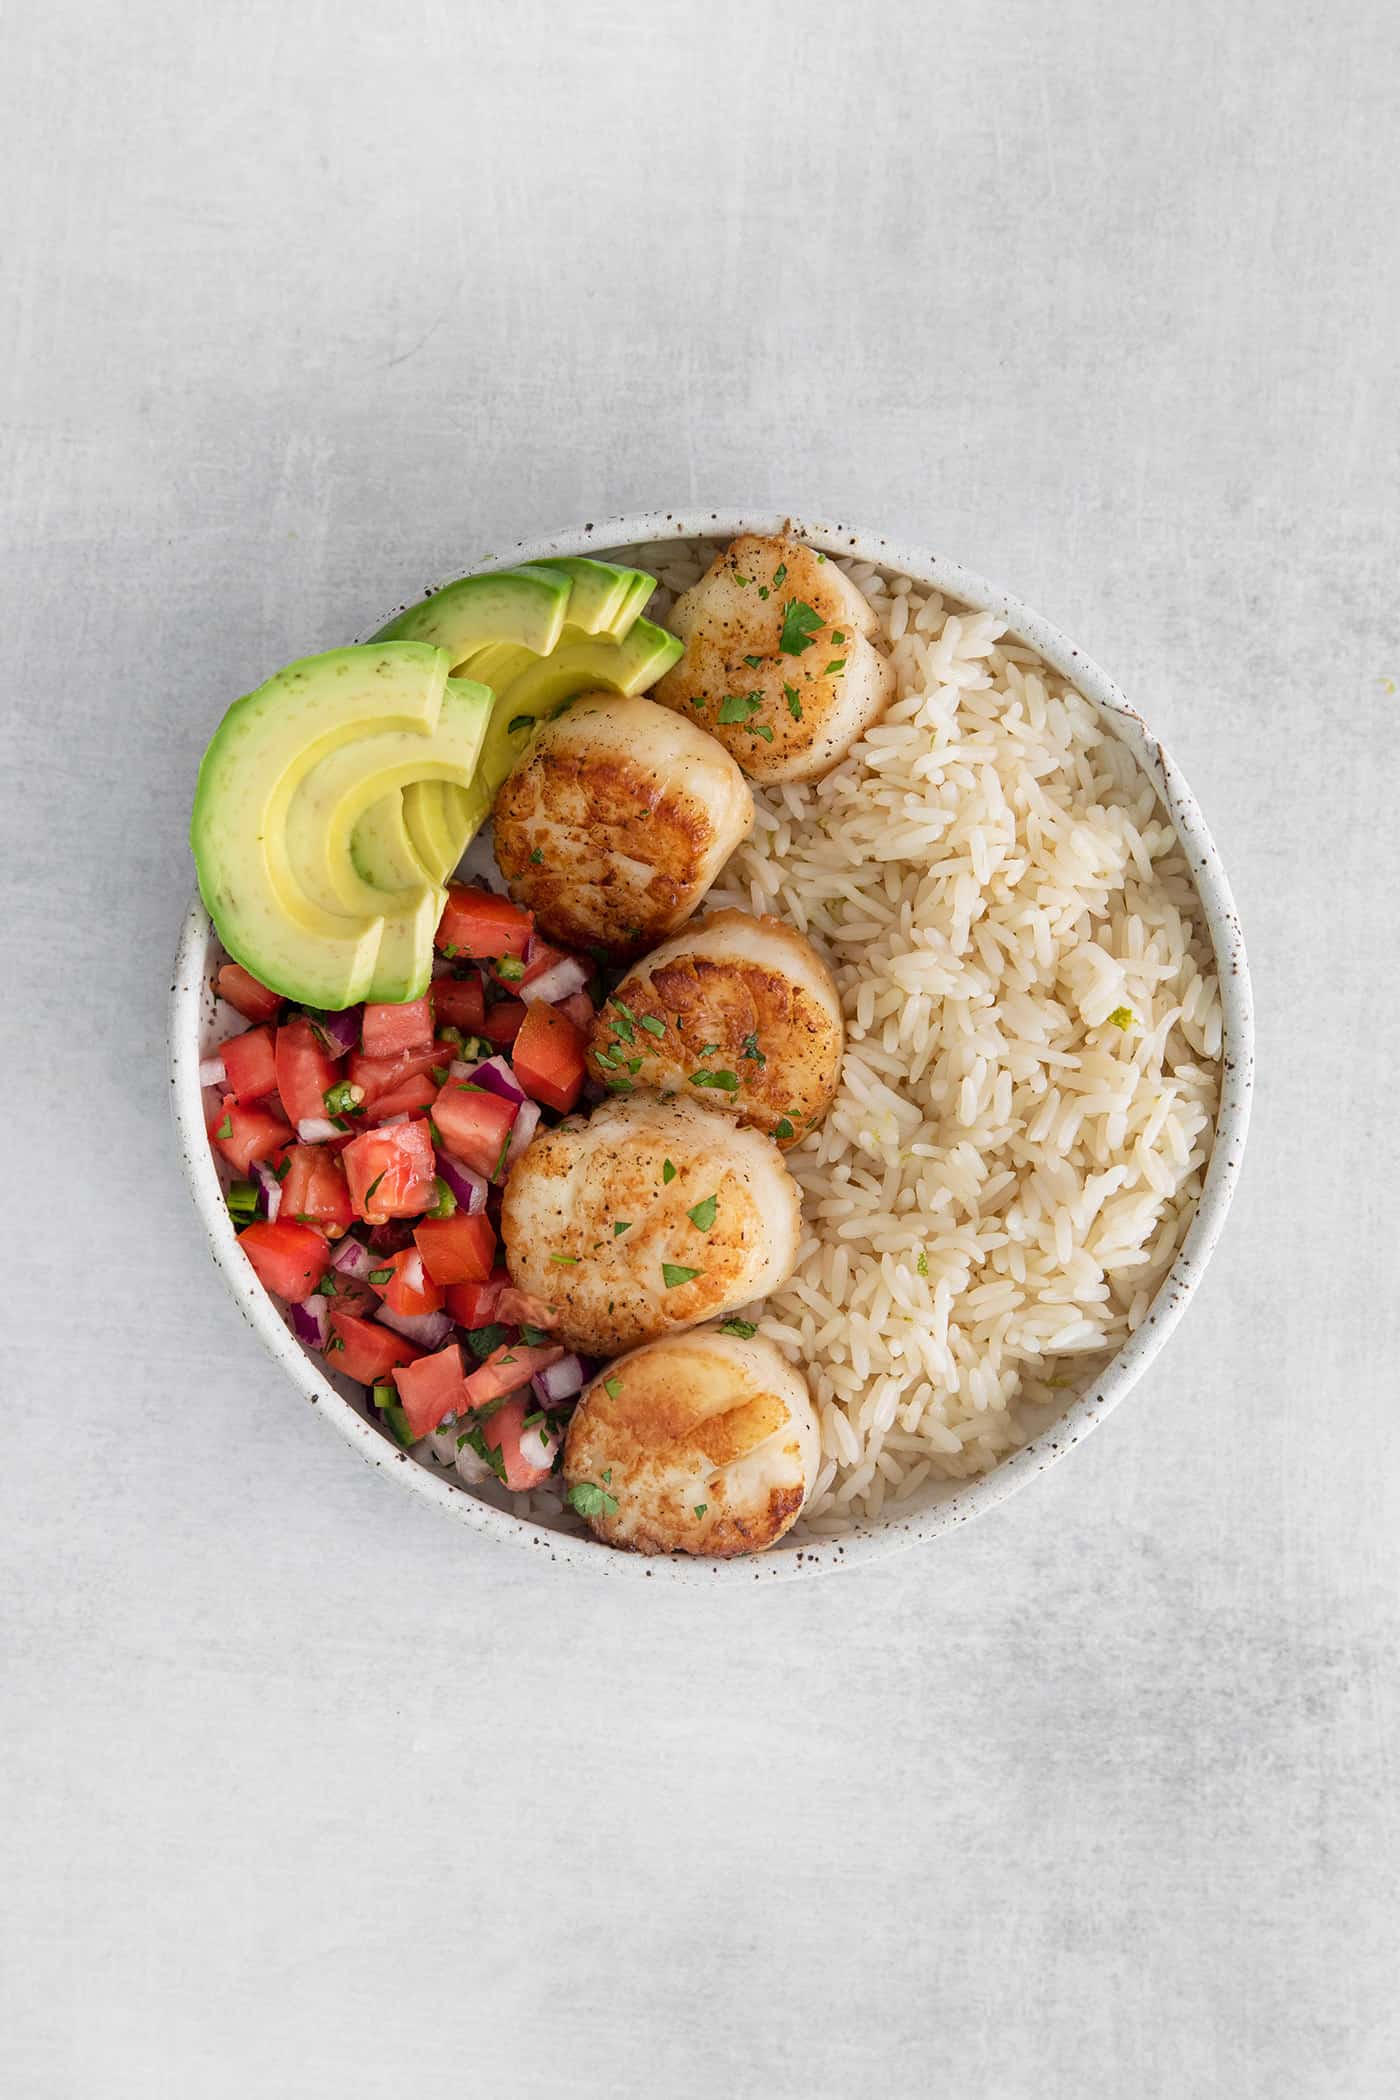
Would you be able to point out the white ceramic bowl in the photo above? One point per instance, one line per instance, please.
(939, 1505)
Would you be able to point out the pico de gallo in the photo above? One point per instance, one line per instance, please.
(370, 1148)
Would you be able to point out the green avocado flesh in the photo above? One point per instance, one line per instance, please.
(289, 773)
(600, 642)
(334, 802)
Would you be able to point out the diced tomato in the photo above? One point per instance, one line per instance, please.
(378, 1076)
(303, 1071)
(460, 1002)
(503, 1432)
(243, 992)
(391, 1172)
(406, 1098)
(506, 1369)
(475, 1125)
(365, 1350)
(459, 1249)
(548, 1057)
(354, 1297)
(476, 924)
(244, 1135)
(289, 1259)
(406, 1287)
(521, 1309)
(249, 1064)
(314, 1190)
(503, 1022)
(473, 1305)
(431, 1388)
(579, 1009)
(397, 1031)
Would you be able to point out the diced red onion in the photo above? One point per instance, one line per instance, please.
(211, 1072)
(310, 1323)
(538, 1445)
(352, 1258)
(314, 1130)
(393, 1122)
(496, 1076)
(469, 1188)
(429, 1330)
(341, 1030)
(560, 1381)
(522, 1130)
(271, 1188)
(560, 981)
(412, 1275)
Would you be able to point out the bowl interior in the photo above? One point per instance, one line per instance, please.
(197, 1022)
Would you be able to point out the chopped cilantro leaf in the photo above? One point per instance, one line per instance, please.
(592, 1501)
(745, 1329)
(750, 1049)
(225, 1129)
(838, 663)
(780, 576)
(783, 1130)
(652, 1025)
(485, 1341)
(800, 623)
(737, 707)
(374, 1185)
(700, 1508)
(668, 1172)
(621, 1225)
(565, 1261)
(753, 662)
(533, 1337)
(378, 1276)
(440, 1074)
(537, 856)
(763, 729)
(620, 1085)
(612, 1387)
(723, 1082)
(519, 722)
(703, 1215)
(281, 1173)
(794, 704)
(673, 1275)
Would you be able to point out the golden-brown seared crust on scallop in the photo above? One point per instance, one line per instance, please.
(781, 662)
(705, 1443)
(647, 1218)
(736, 1012)
(614, 822)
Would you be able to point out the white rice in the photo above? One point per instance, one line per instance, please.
(1006, 1174)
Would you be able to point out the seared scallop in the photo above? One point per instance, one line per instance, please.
(703, 1443)
(780, 659)
(646, 1218)
(738, 1012)
(616, 820)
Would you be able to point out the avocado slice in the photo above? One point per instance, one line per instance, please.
(251, 852)
(527, 606)
(544, 687)
(352, 782)
(603, 599)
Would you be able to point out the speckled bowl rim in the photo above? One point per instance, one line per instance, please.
(901, 1527)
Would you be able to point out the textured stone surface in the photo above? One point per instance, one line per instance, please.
(314, 1793)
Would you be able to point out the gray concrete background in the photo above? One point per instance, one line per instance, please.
(311, 1794)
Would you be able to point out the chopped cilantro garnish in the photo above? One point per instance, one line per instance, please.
(621, 1225)
(634, 1064)
(800, 623)
(378, 1276)
(780, 576)
(707, 1049)
(519, 722)
(606, 1476)
(537, 856)
(838, 663)
(449, 949)
(606, 1058)
(621, 1085)
(742, 581)
(673, 1275)
(499, 1167)
(753, 662)
(612, 1387)
(592, 1501)
(376, 1181)
(225, 1129)
(446, 1203)
(620, 1006)
(668, 1172)
(794, 704)
(281, 1173)
(703, 1215)
(327, 1284)
(440, 1074)
(749, 1048)
(485, 1341)
(652, 1025)
(565, 1261)
(700, 1508)
(333, 1344)
(533, 1337)
(783, 1130)
(763, 590)
(1122, 1017)
(737, 707)
(724, 1082)
(745, 1329)
(763, 729)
